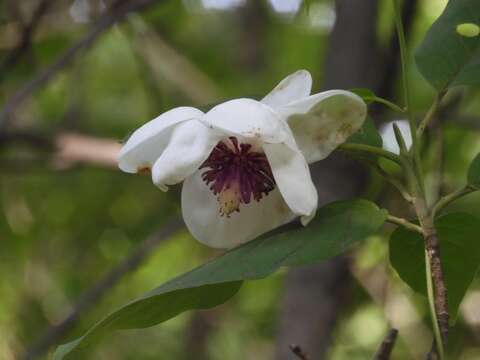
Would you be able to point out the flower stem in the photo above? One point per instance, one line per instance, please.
(395, 182)
(363, 148)
(430, 114)
(389, 104)
(405, 82)
(447, 199)
(405, 223)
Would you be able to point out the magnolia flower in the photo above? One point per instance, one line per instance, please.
(244, 163)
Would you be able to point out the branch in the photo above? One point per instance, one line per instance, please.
(297, 350)
(117, 13)
(57, 332)
(436, 284)
(431, 114)
(362, 148)
(447, 199)
(439, 288)
(165, 63)
(65, 149)
(74, 148)
(26, 38)
(405, 223)
(386, 347)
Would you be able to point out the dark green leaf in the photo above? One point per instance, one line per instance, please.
(368, 135)
(459, 251)
(447, 57)
(474, 173)
(335, 228)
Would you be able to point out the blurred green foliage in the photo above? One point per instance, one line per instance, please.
(61, 230)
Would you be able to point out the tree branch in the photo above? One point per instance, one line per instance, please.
(447, 199)
(117, 13)
(405, 223)
(57, 332)
(386, 347)
(297, 350)
(26, 38)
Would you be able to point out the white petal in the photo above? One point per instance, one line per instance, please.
(388, 135)
(190, 145)
(147, 143)
(294, 87)
(293, 179)
(247, 118)
(201, 215)
(323, 121)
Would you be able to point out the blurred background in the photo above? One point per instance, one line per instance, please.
(78, 76)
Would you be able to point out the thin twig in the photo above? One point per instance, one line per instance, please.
(390, 178)
(405, 223)
(447, 199)
(367, 149)
(297, 350)
(57, 332)
(431, 114)
(116, 14)
(386, 347)
(64, 150)
(26, 38)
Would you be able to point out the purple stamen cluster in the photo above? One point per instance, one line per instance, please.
(235, 165)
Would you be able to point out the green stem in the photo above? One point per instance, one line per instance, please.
(395, 182)
(447, 199)
(411, 119)
(389, 104)
(430, 114)
(405, 223)
(403, 56)
(371, 150)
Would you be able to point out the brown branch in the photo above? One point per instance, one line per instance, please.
(26, 38)
(438, 279)
(58, 331)
(297, 350)
(440, 298)
(75, 149)
(65, 149)
(117, 13)
(386, 347)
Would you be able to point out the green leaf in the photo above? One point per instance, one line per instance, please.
(473, 177)
(367, 135)
(447, 56)
(336, 227)
(459, 252)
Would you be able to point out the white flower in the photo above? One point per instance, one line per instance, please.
(388, 135)
(244, 163)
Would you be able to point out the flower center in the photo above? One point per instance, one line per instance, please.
(236, 174)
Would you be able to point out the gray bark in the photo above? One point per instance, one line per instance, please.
(314, 295)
